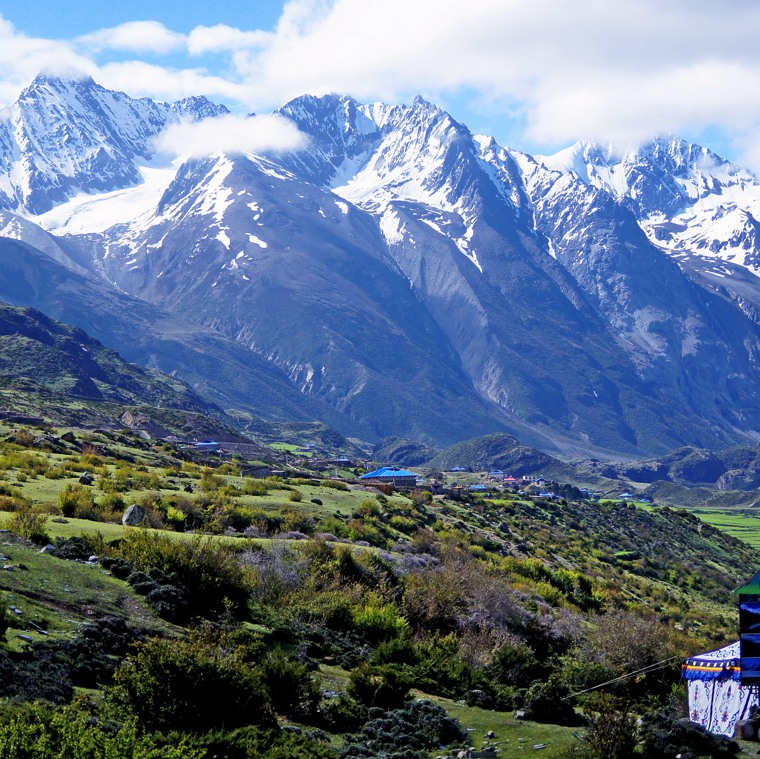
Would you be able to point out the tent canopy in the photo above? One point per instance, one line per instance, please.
(717, 700)
(723, 664)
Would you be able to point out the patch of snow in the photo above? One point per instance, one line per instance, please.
(256, 240)
(223, 238)
(93, 214)
(343, 206)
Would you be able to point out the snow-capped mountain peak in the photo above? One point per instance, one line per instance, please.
(67, 135)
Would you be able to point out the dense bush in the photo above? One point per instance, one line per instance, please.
(334, 484)
(191, 686)
(76, 501)
(291, 689)
(3, 617)
(30, 525)
(664, 736)
(210, 571)
(251, 743)
(410, 732)
(546, 702)
(37, 731)
(49, 669)
(384, 686)
(610, 732)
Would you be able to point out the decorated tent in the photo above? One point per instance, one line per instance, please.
(717, 700)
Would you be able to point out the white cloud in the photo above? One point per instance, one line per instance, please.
(138, 78)
(620, 70)
(213, 39)
(229, 134)
(22, 58)
(616, 69)
(134, 37)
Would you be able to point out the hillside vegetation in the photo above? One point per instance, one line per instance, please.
(322, 609)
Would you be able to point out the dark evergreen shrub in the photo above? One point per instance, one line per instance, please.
(408, 733)
(664, 736)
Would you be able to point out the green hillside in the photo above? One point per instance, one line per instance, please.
(482, 605)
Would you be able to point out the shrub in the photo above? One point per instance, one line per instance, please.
(295, 495)
(544, 702)
(410, 732)
(3, 616)
(334, 484)
(369, 507)
(610, 733)
(30, 524)
(76, 501)
(211, 571)
(42, 732)
(377, 623)
(210, 481)
(290, 686)
(175, 519)
(56, 472)
(385, 686)
(191, 686)
(665, 736)
(169, 603)
(10, 492)
(254, 487)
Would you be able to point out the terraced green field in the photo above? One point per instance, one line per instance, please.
(740, 524)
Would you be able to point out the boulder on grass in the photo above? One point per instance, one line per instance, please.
(133, 516)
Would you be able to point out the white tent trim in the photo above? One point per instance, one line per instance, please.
(717, 700)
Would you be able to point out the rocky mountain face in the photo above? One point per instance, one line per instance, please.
(68, 134)
(67, 360)
(402, 276)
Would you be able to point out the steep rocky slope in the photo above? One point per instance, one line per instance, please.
(407, 278)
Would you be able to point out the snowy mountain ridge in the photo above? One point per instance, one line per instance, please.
(69, 135)
(589, 301)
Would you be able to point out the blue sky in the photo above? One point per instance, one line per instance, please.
(537, 74)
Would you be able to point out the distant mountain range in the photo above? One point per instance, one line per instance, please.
(399, 276)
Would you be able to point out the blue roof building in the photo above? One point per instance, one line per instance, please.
(393, 475)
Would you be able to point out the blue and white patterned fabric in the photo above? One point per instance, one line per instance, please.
(717, 700)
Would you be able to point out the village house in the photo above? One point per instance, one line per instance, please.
(391, 475)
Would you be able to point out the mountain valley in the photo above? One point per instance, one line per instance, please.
(399, 276)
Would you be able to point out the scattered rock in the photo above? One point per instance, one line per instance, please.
(93, 559)
(86, 479)
(133, 516)
(329, 660)
(745, 729)
(25, 638)
(68, 437)
(490, 735)
(520, 714)
(22, 566)
(48, 548)
(9, 568)
(539, 745)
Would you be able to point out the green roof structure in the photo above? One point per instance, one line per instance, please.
(751, 588)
